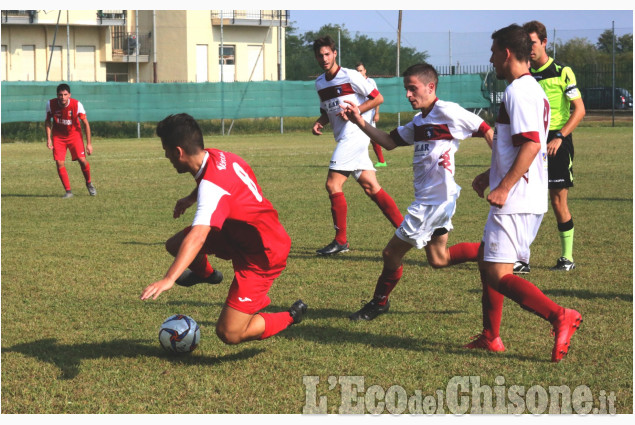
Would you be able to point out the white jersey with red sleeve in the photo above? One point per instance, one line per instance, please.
(348, 84)
(523, 117)
(65, 118)
(244, 223)
(436, 139)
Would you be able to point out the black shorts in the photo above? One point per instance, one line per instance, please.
(561, 165)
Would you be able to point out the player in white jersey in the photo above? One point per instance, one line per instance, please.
(518, 197)
(336, 85)
(381, 162)
(435, 133)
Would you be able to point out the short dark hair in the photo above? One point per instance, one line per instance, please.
(538, 28)
(516, 39)
(181, 130)
(360, 63)
(63, 87)
(424, 72)
(325, 41)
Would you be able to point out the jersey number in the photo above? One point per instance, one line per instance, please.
(242, 174)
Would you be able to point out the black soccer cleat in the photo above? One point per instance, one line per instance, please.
(297, 311)
(189, 278)
(371, 310)
(521, 267)
(333, 248)
(563, 265)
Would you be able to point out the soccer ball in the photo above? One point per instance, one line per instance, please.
(179, 334)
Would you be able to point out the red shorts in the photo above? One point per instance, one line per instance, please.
(248, 291)
(74, 144)
(254, 272)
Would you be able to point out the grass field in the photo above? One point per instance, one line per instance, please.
(77, 339)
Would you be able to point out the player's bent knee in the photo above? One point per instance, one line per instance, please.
(438, 263)
(229, 338)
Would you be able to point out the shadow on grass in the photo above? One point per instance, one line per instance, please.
(416, 258)
(337, 336)
(588, 295)
(68, 357)
(603, 199)
(24, 195)
(142, 243)
(578, 293)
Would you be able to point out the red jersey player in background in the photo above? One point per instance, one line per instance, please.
(64, 131)
(350, 156)
(233, 221)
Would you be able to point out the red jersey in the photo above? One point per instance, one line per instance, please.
(65, 119)
(244, 223)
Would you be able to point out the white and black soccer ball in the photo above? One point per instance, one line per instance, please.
(179, 334)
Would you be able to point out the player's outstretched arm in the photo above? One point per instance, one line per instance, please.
(190, 247)
(353, 114)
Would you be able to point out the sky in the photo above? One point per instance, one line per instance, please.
(461, 37)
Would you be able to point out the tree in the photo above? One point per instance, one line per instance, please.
(592, 63)
(623, 44)
(379, 56)
(576, 51)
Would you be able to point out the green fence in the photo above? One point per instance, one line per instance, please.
(146, 102)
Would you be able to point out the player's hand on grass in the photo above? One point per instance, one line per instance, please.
(155, 289)
(480, 183)
(182, 205)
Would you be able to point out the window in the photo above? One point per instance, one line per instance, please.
(226, 56)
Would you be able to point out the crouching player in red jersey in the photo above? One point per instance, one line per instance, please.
(233, 221)
(435, 133)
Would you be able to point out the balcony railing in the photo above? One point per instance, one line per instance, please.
(251, 17)
(125, 43)
(111, 17)
(18, 16)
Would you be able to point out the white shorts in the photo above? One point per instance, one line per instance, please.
(422, 220)
(352, 155)
(507, 237)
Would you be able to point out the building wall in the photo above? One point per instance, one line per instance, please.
(28, 52)
(182, 38)
(247, 38)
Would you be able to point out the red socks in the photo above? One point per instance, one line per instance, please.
(387, 281)
(462, 252)
(378, 152)
(339, 209)
(388, 207)
(64, 178)
(86, 171)
(529, 297)
(202, 267)
(492, 304)
(275, 322)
